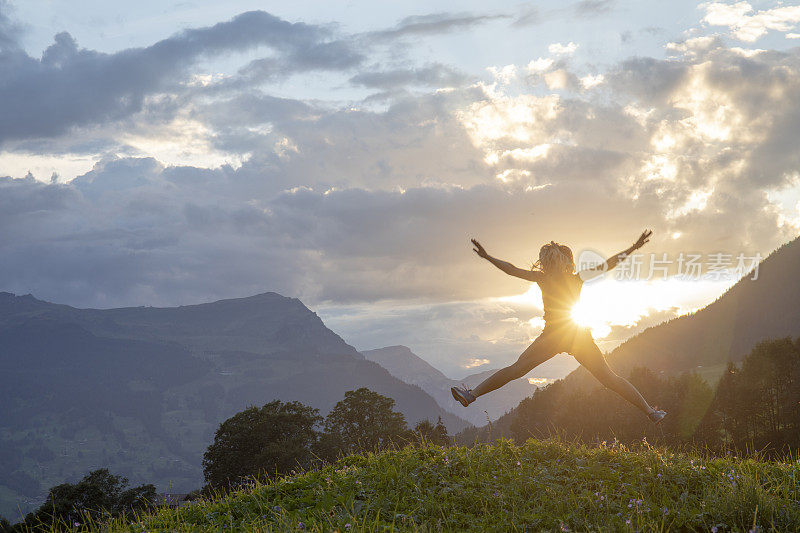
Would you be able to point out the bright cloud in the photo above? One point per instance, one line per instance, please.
(562, 49)
(749, 25)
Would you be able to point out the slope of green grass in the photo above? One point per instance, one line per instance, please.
(547, 485)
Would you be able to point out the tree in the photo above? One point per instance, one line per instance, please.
(97, 495)
(363, 421)
(427, 432)
(260, 443)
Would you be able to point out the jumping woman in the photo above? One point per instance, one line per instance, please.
(561, 289)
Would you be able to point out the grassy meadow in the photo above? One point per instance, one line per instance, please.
(539, 486)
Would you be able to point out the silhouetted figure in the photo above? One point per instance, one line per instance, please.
(561, 289)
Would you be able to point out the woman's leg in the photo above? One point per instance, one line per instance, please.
(589, 355)
(537, 353)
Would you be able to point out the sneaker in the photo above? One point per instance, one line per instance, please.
(657, 416)
(462, 395)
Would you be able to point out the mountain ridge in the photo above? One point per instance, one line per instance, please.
(404, 364)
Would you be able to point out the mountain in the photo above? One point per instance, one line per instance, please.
(404, 364)
(726, 330)
(142, 390)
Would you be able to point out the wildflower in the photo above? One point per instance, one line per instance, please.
(276, 508)
(301, 525)
(665, 510)
(347, 526)
(77, 524)
(518, 463)
(628, 521)
(658, 475)
(713, 529)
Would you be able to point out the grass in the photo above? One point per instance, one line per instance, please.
(541, 485)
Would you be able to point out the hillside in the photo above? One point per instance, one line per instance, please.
(538, 486)
(142, 390)
(404, 364)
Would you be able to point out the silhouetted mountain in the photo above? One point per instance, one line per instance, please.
(141, 390)
(404, 364)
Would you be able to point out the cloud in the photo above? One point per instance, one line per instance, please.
(475, 362)
(368, 208)
(432, 75)
(562, 49)
(70, 86)
(527, 17)
(9, 31)
(352, 205)
(588, 8)
(747, 25)
(432, 24)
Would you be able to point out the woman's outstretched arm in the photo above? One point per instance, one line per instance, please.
(615, 259)
(505, 266)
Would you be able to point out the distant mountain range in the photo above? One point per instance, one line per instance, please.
(725, 330)
(404, 364)
(142, 390)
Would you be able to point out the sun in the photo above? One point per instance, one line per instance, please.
(591, 316)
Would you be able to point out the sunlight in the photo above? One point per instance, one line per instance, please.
(608, 302)
(539, 382)
(588, 314)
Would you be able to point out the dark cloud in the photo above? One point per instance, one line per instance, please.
(432, 24)
(330, 56)
(434, 75)
(70, 86)
(353, 205)
(647, 78)
(417, 139)
(9, 32)
(529, 16)
(590, 8)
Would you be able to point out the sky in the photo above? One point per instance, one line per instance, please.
(344, 153)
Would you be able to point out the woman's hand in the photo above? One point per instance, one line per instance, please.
(479, 249)
(644, 238)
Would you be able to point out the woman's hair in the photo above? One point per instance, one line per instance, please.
(555, 258)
